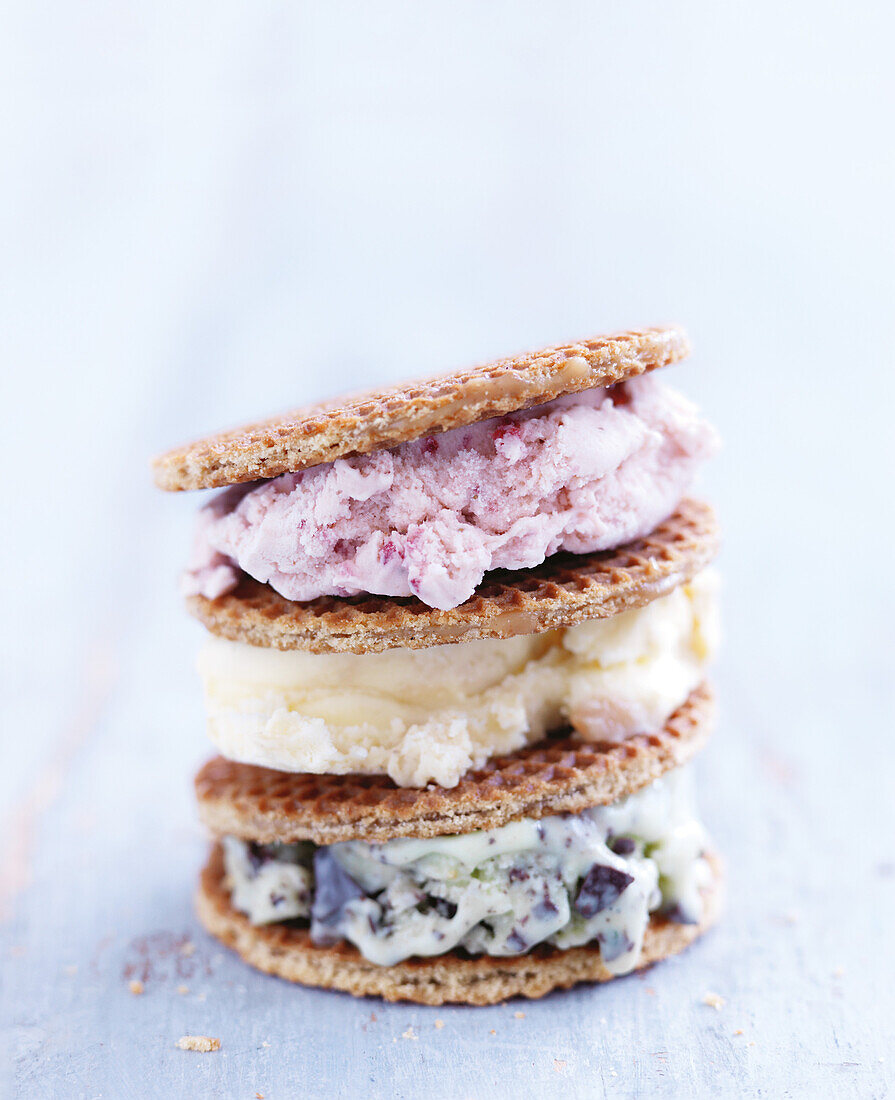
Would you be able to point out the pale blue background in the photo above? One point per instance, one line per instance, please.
(211, 210)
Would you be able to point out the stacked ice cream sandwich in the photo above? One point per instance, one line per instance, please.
(458, 633)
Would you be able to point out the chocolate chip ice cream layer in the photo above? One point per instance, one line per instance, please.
(566, 880)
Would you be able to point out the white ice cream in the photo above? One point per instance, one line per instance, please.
(428, 715)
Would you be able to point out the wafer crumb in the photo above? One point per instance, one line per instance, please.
(714, 1000)
(181, 989)
(439, 1024)
(187, 947)
(739, 1031)
(135, 986)
(202, 1043)
(265, 1043)
(519, 1015)
(259, 1096)
(409, 1033)
(559, 1065)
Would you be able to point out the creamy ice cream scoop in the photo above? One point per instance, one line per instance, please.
(429, 518)
(429, 715)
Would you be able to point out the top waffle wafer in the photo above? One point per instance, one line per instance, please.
(380, 418)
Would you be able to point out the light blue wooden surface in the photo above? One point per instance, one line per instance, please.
(212, 218)
(102, 849)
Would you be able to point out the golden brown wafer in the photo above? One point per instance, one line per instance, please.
(480, 980)
(364, 422)
(557, 775)
(564, 590)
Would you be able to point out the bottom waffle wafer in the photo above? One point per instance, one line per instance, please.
(288, 952)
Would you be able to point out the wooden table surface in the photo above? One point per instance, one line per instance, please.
(204, 218)
(102, 848)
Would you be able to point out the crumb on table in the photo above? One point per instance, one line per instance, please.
(201, 1043)
(714, 1000)
(135, 986)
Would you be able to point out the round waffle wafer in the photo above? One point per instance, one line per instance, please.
(364, 422)
(288, 952)
(558, 775)
(564, 590)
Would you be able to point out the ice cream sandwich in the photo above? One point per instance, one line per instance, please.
(458, 633)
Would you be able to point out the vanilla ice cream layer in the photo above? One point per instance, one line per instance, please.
(587, 472)
(429, 715)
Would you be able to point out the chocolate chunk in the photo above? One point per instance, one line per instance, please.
(333, 889)
(255, 855)
(546, 906)
(613, 943)
(516, 941)
(680, 915)
(602, 886)
(444, 908)
(622, 845)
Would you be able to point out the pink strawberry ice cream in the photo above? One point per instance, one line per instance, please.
(586, 472)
